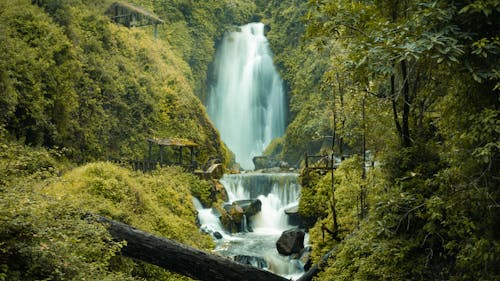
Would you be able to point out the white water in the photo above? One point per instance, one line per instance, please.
(247, 102)
(276, 192)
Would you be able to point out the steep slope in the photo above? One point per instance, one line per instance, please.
(71, 78)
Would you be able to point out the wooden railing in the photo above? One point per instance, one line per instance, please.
(320, 162)
(147, 165)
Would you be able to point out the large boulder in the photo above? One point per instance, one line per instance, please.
(265, 162)
(231, 217)
(250, 206)
(236, 213)
(290, 242)
(233, 214)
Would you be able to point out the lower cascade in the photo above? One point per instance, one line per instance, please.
(253, 240)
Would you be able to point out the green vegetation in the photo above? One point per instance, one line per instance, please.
(416, 81)
(75, 88)
(427, 75)
(74, 79)
(47, 232)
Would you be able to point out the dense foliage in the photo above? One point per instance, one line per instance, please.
(426, 75)
(71, 78)
(48, 231)
(415, 82)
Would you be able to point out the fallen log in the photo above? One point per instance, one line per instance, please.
(180, 258)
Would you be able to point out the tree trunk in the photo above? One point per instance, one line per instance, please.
(395, 107)
(406, 106)
(182, 259)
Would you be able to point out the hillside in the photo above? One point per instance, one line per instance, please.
(74, 79)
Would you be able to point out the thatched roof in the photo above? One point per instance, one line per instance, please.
(173, 142)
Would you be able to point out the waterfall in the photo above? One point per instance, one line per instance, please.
(276, 192)
(209, 221)
(247, 102)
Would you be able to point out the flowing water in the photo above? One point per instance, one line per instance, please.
(276, 192)
(247, 102)
(247, 105)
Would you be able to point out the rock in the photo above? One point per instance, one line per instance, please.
(284, 165)
(232, 217)
(218, 191)
(235, 169)
(294, 218)
(249, 206)
(291, 241)
(264, 162)
(217, 235)
(236, 213)
(258, 262)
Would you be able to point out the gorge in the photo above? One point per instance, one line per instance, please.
(414, 82)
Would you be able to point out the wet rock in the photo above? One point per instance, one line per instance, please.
(218, 191)
(249, 206)
(294, 218)
(231, 217)
(236, 213)
(264, 162)
(290, 242)
(258, 262)
(217, 235)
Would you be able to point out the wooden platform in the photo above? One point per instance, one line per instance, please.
(131, 16)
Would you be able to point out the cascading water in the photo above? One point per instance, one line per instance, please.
(257, 245)
(247, 105)
(247, 102)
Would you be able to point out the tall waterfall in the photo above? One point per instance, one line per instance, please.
(247, 102)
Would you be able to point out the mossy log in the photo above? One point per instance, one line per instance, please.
(180, 258)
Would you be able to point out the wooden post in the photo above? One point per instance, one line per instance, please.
(180, 155)
(161, 155)
(192, 157)
(334, 209)
(149, 152)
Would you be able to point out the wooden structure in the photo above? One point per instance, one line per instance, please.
(320, 162)
(132, 16)
(178, 145)
(171, 152)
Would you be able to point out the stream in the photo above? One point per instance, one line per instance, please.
(256, 243)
